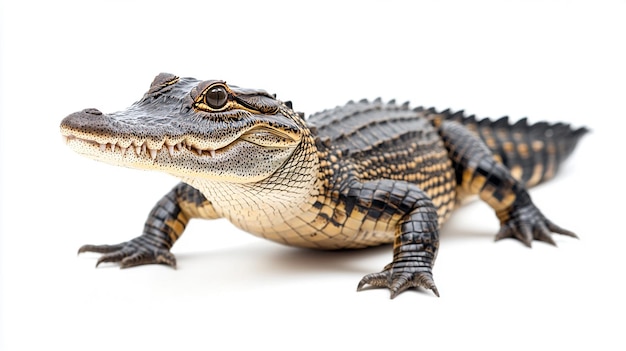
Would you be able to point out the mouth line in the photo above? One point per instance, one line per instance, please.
(142, 148)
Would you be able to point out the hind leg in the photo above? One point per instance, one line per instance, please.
(477, 172)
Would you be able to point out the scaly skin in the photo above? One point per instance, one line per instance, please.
(364, 174)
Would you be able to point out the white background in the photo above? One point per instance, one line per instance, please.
(552, 60)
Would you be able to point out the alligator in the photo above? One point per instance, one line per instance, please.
(359, 175)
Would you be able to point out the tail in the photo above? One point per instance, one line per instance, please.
(533, 152)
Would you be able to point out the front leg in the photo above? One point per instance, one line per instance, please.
(416, 235)
(165, 224)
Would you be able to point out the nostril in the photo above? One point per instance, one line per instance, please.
(92, 111)
(87, 118)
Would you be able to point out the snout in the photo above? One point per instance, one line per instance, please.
(89, 120)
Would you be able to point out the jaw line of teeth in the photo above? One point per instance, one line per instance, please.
(144, 150)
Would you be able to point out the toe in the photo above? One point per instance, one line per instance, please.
(167, 258)
(542, 233)
(556, 229)
(116, 256)
(135, 259)
(100, 248)
(374, 279)
(399, 281)
(504, 233)
(399, 285)
(525, 234)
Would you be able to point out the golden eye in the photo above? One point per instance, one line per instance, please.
(216, 97)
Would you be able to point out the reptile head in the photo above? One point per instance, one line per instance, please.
(192, 129)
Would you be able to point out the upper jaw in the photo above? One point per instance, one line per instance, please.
(151, 147)
(146, 130)
(206, 149)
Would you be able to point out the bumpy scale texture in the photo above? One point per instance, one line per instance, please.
(363, 174)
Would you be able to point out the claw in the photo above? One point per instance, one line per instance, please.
(373, 279)
(136, 252)
(141, 258)
(399, 281)
(167, 258)
(542, 233)
(503, 234)
(526, 235)
(527, 224)
(100, 248)
(116, 256)
(546, 239)
(556, 229)
(134, 259)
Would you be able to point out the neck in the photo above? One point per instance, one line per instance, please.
(290, 191)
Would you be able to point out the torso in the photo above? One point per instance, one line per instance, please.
(357, 142)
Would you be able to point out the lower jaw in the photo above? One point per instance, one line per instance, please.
(208, 165)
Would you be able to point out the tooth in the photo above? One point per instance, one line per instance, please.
(65, 139)
(138, 150)
(153, 153)
(212, 153)
(103, 147)
(199, 152)
(112, 147)
(123, 150)
(170, 149)
(179, 146)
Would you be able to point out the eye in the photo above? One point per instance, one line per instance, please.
(216, 97)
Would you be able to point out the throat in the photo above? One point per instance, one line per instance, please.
(256, 207)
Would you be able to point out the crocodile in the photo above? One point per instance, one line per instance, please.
(359, 175)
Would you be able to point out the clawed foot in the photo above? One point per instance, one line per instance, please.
(136, 252)
(527, 224)
(398, 279)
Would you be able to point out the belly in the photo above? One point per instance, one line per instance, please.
(328, 227)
